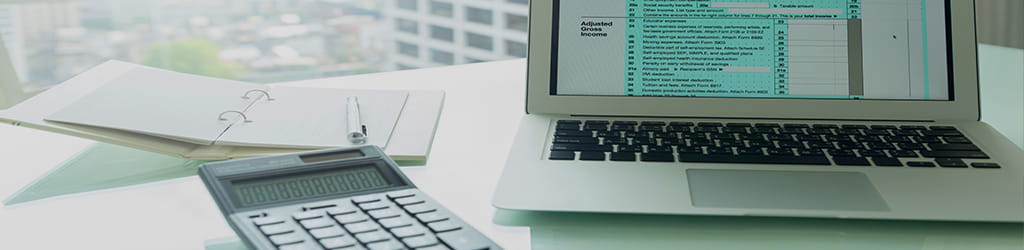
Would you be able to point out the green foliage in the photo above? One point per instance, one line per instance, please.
(192, 56)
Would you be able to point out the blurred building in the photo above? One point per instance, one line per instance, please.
(430, 33)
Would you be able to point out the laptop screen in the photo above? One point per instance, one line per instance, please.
(817, 49)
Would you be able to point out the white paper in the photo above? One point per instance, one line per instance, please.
(161, 103)
(315, 118)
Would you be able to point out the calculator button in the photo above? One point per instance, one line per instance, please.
(317, 223)
(285, 239)
(373, 205)
(308, 215)
(435, 247)
(385, 213)
(408, 201)
(400, 221)
(366, 198)
(304, 246)
(401, 193)
(465, 239)
(385, 245)
(277, 229)
(444, 226)
(431, 217)
(337, 242)
(262, 221)
(419, 208)
(375, 236)
(403, 232)
(351, 218)
(420, 241)
(362, 227)
(343, 209)
(322, 233)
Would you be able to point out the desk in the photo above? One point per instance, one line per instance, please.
(483, 107)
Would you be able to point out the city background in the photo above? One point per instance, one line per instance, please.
(258, 40)
(265, 41)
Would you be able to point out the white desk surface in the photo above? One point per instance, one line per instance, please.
(483, 107)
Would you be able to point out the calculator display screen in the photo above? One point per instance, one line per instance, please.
(307, 185)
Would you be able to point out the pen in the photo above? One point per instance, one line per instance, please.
(356, 128)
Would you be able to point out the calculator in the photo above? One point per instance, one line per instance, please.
(353, 198)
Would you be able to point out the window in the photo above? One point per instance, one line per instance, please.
(442, 33)
(442, 57)
(259, 41)
(523, 2)
(407, 4)
(474, 60)
(479, 41)
(407, 26)
(513, 48)
(478, 15)
(516, 22)
(408, 49)
(441, 9)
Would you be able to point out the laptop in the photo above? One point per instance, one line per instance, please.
(827, 109)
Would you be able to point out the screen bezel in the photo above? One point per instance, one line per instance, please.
(963, 60)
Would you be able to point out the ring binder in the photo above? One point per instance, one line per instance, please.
(265, 93)
(221, 117)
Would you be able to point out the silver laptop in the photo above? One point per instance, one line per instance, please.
(830, 108)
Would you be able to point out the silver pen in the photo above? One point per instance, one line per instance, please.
(356, 128)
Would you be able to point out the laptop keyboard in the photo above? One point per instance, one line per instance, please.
(766, 143)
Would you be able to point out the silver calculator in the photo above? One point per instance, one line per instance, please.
(354, 198)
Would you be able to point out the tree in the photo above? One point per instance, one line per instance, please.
(194, 56)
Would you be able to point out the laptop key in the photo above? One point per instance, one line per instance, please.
(737, 125)
(942, 128)
(592, 156)
(903, 153)
(659, 149)
(953, 147)
(921, 164)
(851, 161)
(841, 152)
(574, 133)
(985, 165)
(872, 153)
(562, 155)
(575, 140)
(957, 140)
(950, 163)
(657, 157)
(569, 122)
(623, 156)
(581, 147)
(955, 154)
(630, 148)
(763, 159)
(886, 162)
(569, 127)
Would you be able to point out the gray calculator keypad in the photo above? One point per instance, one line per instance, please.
(405, 219)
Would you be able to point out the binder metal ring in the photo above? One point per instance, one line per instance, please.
(236, 112)
(265, 93)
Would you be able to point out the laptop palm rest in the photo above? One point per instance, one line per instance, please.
(754, 189)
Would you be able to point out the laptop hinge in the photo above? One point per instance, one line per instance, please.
(745, 118)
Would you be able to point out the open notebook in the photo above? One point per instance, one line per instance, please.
(179, 114)
(210, 111)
